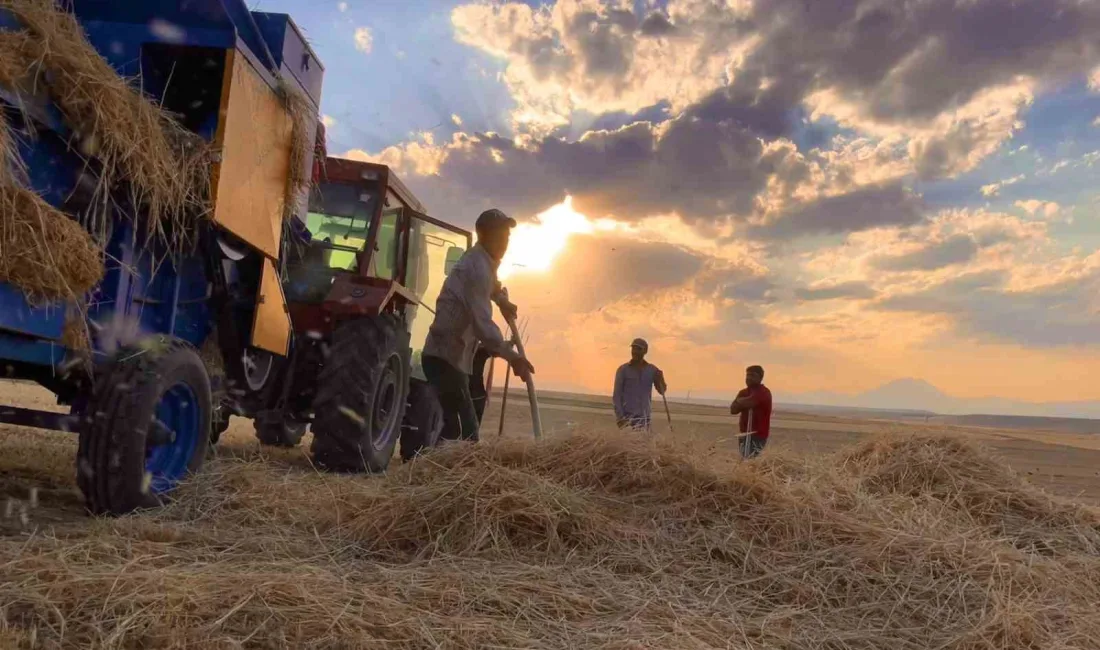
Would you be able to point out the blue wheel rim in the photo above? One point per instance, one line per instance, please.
(167, 463)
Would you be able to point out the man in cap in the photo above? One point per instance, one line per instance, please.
(754, 406)
(463, 317)
(634, 384)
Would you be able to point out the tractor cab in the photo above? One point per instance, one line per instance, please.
(367, 248)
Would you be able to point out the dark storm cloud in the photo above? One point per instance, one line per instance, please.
(843, 290)
(956, 249)
(1050, 316)
(870, 207)
(657, 24)
(701, 170)
(898, 63)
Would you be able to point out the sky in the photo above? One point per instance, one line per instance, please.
(847, 192)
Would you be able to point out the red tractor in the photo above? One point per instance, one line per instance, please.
(360, 280)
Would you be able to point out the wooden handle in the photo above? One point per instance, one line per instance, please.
(536, 417)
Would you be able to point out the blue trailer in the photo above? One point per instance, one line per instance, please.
(179, 338)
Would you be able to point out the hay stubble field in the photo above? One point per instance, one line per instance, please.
(847, 534)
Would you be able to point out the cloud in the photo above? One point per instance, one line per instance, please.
(1094, 79)
(708, 96)
(1047, 209)
(342, 6)
(956, 249)
(364, 39)
(993, 189)
(952, 96)
(870, 207)
(328, 121)
(845, 290)
(1055, 314)
(456, 120)
(705, 172)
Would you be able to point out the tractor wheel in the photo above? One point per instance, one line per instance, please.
(279, 432)
(146, 427)
(423, 421)
(361, 393)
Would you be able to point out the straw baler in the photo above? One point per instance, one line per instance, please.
(166, 322)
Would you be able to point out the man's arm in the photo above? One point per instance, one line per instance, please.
(477, 295)
(659, 382)
(743, 402)
(500, 297)
(617, 394)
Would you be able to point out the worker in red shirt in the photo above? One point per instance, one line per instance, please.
(754, 405)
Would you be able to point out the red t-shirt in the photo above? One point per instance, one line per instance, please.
(758, 419)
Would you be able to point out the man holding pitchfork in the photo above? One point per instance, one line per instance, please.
(754, 405)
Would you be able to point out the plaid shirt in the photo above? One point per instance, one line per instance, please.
(464, 312)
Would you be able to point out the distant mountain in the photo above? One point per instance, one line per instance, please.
(919, 395)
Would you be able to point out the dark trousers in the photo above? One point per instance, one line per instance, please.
(635, 423)
(453, 387)
(752, 445)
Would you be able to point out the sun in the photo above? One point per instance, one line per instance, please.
(534, 246)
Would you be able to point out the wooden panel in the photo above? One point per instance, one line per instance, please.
(254, 137)
(271, 328)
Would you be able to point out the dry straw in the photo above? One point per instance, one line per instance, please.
(164, 167)
(587, 541)
(162, 170)
(42, 251)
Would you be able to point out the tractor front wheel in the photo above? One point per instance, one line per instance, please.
(146, 427)
(423, 421)
(361, 394)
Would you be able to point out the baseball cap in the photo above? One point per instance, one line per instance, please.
(493, 218)
(640, 343)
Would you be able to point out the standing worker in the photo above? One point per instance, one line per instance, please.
(754, 405)
(463, 317)
(634, 384)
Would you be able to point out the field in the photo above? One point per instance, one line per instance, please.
(846, 534)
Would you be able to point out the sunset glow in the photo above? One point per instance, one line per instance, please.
(535, 246)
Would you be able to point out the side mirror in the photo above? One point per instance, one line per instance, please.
(454, 253)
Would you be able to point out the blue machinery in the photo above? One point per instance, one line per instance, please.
(138, 441)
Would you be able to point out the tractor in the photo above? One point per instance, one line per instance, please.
(361, 281)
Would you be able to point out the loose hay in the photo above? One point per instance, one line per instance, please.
(301, 142)
(139, 151)
(581, 542)
(164, 167)
(42, 251)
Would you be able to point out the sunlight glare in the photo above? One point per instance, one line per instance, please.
(535, 246)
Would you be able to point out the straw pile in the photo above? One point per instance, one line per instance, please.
(42, 251)
(580, 542)
(164, 168)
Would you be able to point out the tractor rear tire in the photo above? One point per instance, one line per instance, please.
(423, 421)
(361, 394)
(279, 433)
(146, 427)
